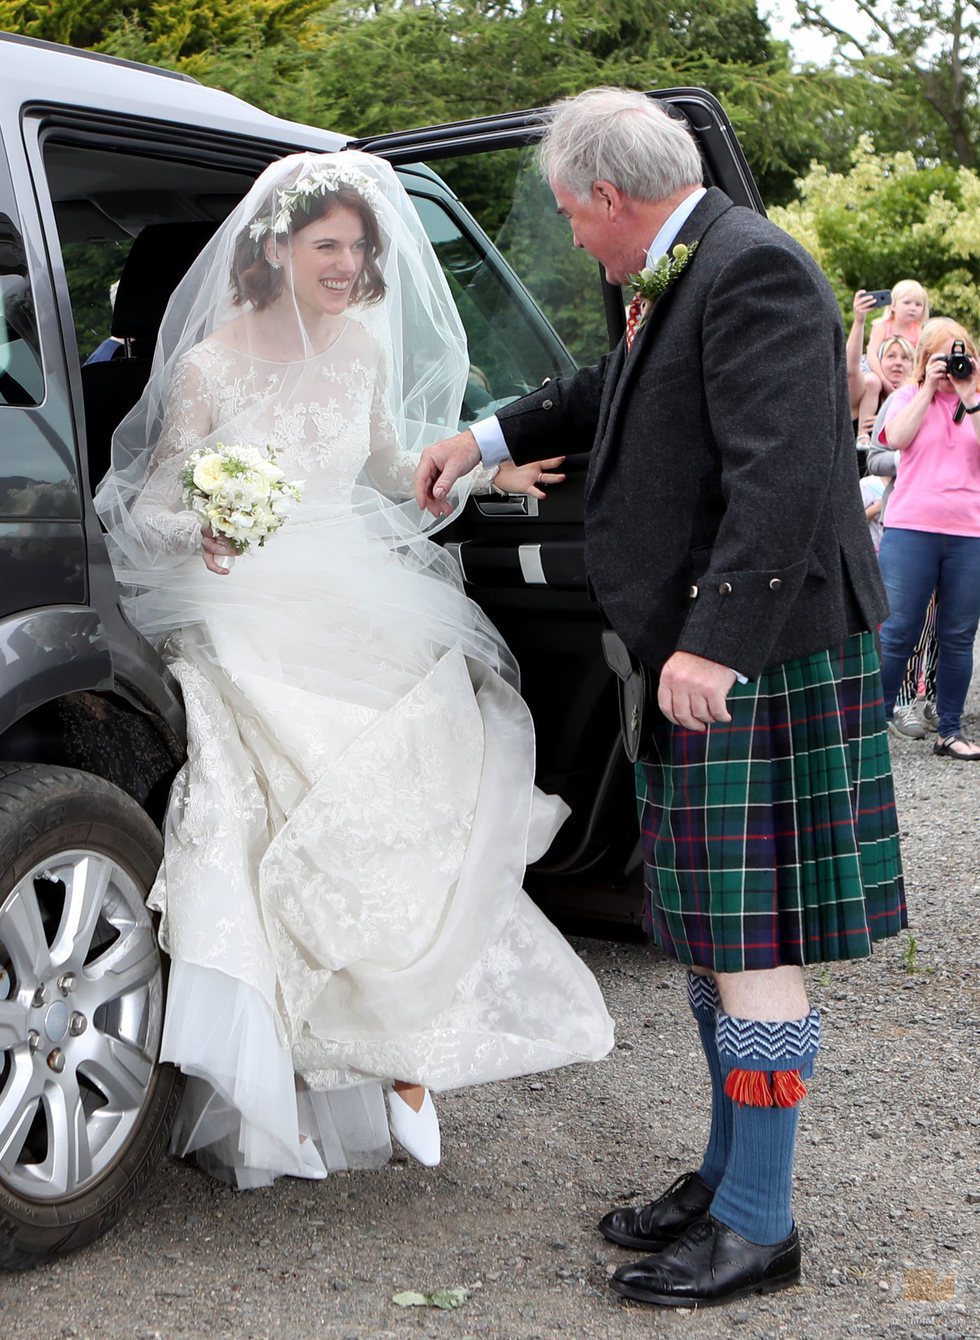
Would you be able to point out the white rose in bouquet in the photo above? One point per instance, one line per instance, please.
(208, 472)
(241, 494)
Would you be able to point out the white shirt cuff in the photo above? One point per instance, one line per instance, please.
(490, 440)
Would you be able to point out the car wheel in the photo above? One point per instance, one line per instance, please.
(85, 1106)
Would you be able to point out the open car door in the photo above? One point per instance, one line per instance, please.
(534, 309)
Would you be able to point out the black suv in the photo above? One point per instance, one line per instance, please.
(111, 171)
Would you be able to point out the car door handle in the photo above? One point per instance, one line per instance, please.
(532, 569)
(514, 504)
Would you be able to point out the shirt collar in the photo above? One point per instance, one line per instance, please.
(664, 240)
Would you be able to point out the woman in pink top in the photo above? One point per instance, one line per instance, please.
(932, 528)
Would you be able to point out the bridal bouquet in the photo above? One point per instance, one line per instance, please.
(242, 495)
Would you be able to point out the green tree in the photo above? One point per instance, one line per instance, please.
(438, 60)
(924, 55)
(365, 68)
(182, 26)
(887, 219)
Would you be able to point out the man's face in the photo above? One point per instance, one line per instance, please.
(601, 232)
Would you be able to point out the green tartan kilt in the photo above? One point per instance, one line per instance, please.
(773, 839)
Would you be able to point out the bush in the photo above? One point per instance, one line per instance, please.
(887, 219)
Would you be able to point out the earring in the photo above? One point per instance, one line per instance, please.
(274, 265)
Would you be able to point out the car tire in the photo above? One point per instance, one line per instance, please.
(86, 1109)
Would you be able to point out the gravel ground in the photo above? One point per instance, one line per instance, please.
(888, 1190)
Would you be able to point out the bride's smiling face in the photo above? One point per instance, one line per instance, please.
(324, 261)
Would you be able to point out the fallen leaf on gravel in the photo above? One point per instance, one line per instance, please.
(448, 1298)
(410, 1299)
(441, 1298)
(925, 1286)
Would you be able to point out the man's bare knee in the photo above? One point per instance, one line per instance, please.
(772, 995)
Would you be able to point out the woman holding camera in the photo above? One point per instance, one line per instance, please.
(932, 534)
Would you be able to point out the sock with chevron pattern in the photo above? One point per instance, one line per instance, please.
(765, 1066)
(702, 996)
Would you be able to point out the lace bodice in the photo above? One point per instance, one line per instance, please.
(326, 418)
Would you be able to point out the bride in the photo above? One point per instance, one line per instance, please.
(340, 894)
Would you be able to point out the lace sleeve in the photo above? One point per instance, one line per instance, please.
(483, 477)
(166, 526)
(391, 470)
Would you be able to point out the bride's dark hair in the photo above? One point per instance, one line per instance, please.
(254, 280)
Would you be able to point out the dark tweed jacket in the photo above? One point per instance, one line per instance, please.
(723, 514)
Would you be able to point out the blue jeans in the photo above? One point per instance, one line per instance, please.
(914, 563)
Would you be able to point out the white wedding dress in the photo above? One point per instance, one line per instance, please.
(341, 888)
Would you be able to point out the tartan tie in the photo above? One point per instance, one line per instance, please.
(633, 320)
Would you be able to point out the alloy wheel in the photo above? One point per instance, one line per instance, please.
(81, 1013)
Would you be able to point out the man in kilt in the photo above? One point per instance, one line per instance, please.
(728, 548)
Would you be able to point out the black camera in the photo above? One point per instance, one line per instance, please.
(959, 364)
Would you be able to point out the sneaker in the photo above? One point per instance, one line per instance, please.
(930, 716)
(904, 722)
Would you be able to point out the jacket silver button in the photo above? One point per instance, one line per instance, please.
(693, 593)
(547, 404)
(725, 589)
(776, 584)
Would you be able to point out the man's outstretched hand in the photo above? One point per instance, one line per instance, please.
(441, 465)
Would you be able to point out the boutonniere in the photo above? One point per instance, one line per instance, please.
(655, 279)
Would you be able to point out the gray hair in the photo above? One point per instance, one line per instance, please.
(616, 135)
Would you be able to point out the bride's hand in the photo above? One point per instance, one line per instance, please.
(213, 548)
(511, 478)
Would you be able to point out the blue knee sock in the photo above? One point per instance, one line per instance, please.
(702, 996)
(765, 1064)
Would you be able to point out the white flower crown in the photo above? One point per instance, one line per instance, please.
(321, 181)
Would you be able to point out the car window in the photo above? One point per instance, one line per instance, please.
(92, 270)
(37, 459)
(21, 377)
(553, 320)
(511, 350)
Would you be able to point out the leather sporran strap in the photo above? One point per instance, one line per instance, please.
(637, 701)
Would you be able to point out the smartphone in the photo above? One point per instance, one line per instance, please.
(882, 296)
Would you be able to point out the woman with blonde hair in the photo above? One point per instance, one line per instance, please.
(902, 318)
(898, 364)
(932, 537)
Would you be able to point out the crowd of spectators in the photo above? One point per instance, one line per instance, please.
(914, 389)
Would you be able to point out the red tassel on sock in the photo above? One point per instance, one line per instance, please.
(762, 1088)
(787, 1088)
(749, 1088)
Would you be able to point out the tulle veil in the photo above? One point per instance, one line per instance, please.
(341, 887)
(152, 538)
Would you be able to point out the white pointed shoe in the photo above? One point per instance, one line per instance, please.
(416, 1132)
(311, 1164)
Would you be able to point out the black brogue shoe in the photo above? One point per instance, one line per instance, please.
(656, 1225)
(710, 1264)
